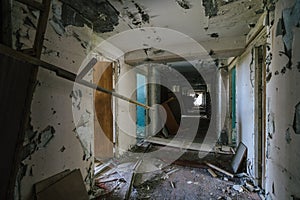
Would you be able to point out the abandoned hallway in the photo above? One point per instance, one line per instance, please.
(169, 99)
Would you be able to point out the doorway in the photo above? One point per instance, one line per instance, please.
(260, 113)
(233, 105)
(103, 119)
(141, 96)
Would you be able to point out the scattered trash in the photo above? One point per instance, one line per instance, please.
(219, 169)
(238, 188)
(249, 186)
(212, 173)
(172, 184)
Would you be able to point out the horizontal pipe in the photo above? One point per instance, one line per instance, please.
(62, 73)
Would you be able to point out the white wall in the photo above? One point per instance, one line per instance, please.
(283, 94)
(245, 107)
(56, 139)
(126, 112)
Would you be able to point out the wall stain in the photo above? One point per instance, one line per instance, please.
(184, 4)
(291, 19)
(36, 140)
(283, 70)
(138, 16)
(214, 35)
(211, 7)
(76, 96)
(288, 138)
(269, 61)
(269, 76)
(251, 66)
(296, 123)
(99, 15)
(271, 125)
(80, 130)
(62, 149)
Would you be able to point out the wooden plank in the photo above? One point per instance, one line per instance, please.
(69, 187)
(212, 173)
(44, 184)
(180, 144)
(189, 163)
(41, 28)
(5, 23)
(87, 68)
(61, 72)
(103, 145)
(171, 122)
(219, 169)
(238, 157)
(16, 93)
(33, 4)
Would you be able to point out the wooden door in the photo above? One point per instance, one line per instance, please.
(103, 120)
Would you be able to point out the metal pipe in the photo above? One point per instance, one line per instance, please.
(62, 73)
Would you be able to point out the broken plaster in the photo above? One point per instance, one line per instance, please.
(76, 96)
(184, 4)
(37, 141)
(271, 125)
(80, 131)
(288, 138)
(290, 19)
(99, 15)
(251, 67)
(296, 123)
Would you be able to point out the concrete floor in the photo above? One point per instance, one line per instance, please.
(160, 183)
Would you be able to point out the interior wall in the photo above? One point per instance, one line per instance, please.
(126, 112)
(245, 107)
(283, 97)
(60, 134)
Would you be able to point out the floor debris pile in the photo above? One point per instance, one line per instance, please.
(189, 177)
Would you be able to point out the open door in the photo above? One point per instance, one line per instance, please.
(103, 119)
(233, 105)
(141, 96)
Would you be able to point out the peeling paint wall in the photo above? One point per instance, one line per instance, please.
(60, 135)
(283, 97)
(125, 112)
(245, 107)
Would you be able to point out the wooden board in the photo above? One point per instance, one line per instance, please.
(70, 186)
(171, 122)
(16, 92)
(238, 157)
(103, 145)
(44, 184)
(177, 143)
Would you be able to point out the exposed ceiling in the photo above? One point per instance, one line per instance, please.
(220, 26)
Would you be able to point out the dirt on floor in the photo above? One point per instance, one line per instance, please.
(172, 181)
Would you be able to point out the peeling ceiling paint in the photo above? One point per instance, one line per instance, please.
(100, 13)
(212, 23)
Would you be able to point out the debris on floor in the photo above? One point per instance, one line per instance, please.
(189, 177)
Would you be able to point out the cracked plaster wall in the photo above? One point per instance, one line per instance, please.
(125, 112)
(245, 108)
(55, 140)
(283, 96)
